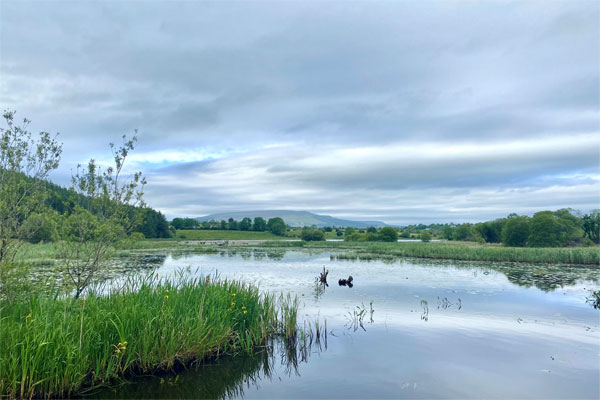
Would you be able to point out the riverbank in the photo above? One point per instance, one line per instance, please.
(60, 346)
(446, 250)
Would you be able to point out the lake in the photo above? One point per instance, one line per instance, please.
(406, 329)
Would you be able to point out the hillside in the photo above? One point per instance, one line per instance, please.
(292, 218)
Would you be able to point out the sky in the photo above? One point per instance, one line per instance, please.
(399, 111)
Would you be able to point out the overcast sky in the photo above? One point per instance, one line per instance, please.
(397, 111)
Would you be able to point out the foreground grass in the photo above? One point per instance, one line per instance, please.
(454, 251)
(59, 347)
(201, 234)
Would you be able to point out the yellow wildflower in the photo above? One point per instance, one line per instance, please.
(232, 294)
(167, 297)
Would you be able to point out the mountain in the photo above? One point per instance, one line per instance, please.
(293, 218)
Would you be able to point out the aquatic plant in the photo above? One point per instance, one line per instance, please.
(594, 299)
(57, 346)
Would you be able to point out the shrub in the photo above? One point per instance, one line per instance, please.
(425, 236)
(312, 235)
(388, 234)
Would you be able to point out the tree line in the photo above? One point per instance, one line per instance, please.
(48, 221)
(561, 228)
(274, 225)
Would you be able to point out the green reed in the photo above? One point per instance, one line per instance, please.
(58, 347)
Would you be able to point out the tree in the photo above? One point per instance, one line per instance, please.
(25, 163)
(259, 225)
(276, 226)
(103, 218)
(309, 235)
(591, 226)
(463, 232)
(448, 232)
(245, 224)
(177, 223)
(425, 236)
(232, 224)
(491, 231)
(544, 230)
(42, 226)
(372, 229)
(515, 231)
(349, 230)
(388, 234)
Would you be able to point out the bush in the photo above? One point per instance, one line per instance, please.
(312, 235)
(425, 236)
(388, 234)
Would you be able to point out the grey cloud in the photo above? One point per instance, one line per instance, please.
(231, 78)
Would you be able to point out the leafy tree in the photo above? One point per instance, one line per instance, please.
(259, 225)
(223, 224)
(309, 235)
(353, 237)
(276, 226)
(24, 164)
(515, 231)
(463, 232)
(338, 233)
(591, 226)
(349, 230)
(245, 224)
(544, 230)
(388, 234)
(152, 224)
(177, 223)
(425, 236)
(233, 224)
(103, 219)
(554, 229)
(372, 229)
(405, 234)
(448, 232)
(42, 226)
(491, 231)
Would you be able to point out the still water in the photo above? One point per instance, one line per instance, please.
(406, 329)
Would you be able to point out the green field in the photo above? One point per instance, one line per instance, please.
(200, 234)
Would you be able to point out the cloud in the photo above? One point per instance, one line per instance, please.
(354, 108)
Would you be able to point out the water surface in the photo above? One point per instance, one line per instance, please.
(428, 330)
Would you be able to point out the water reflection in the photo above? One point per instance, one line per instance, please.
(441, 329)
(544, 277)
(224, 377)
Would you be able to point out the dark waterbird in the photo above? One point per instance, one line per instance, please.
(346, 282)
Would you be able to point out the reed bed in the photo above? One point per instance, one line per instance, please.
(59, 347)
(462, 251)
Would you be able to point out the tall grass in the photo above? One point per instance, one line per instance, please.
(463, 251)
(58, 347)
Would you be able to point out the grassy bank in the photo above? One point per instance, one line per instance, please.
(199, 234)
(453, 251)
(57, 347)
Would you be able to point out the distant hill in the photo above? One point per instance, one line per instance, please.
(293, 218)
